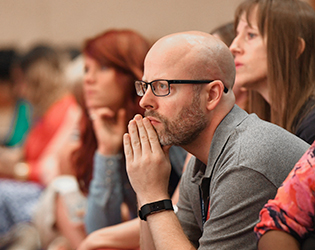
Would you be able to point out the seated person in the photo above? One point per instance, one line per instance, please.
(278, 75)
(15, 111)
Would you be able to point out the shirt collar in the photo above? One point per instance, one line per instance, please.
(223, 132)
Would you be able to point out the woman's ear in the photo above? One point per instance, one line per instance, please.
(301, 47)
(214, 93)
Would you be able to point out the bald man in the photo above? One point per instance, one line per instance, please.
(239, 160)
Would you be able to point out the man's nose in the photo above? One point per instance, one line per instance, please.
(148, 100)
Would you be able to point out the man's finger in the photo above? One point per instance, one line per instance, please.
(134, 138)
(152, 135)
(127, 148)
(145, 143)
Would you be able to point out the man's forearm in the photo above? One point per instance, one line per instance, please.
(146, 241)
(162, 231)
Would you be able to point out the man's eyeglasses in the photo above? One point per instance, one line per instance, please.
(162, 87)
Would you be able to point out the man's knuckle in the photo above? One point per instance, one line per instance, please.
(136, 143)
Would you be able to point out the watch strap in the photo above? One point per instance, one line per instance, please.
(155, 207)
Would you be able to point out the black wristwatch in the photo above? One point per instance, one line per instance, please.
(155, 207)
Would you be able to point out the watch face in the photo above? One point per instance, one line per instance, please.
(155, 207)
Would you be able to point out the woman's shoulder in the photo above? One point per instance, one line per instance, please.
(305, 129)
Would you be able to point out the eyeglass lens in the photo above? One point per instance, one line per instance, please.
(159, 87)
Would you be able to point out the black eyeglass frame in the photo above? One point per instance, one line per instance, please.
(174, 82)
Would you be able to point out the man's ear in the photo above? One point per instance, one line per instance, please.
(301, 47)
(214, 93)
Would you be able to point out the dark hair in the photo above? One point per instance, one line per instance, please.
(226, 32)
(291, 74)
(123, 50)
(40, 53)
(8, 59)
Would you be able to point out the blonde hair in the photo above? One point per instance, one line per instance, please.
(45, 78)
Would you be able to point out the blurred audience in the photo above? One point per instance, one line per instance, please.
(274, 52)
(55, 112)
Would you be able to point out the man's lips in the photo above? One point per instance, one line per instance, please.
(153, 120)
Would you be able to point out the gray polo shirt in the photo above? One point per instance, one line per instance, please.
(248, 160)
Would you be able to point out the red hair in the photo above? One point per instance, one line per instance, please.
(123, 50)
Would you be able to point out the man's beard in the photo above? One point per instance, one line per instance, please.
(185, 128)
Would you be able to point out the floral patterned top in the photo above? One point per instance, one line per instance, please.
(293, 208)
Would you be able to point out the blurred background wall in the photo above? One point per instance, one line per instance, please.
(69, 22)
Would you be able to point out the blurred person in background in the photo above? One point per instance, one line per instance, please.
(55, 112)
(274, 51)
(15, 112)
(224, 32)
